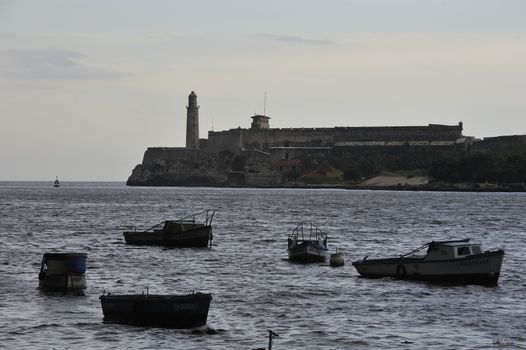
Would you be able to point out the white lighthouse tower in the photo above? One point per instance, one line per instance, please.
(192, 122)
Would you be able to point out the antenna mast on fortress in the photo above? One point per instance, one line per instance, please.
(265, 104)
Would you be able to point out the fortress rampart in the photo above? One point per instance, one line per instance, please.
(432, 132)
(512, 142)
(230, 140)
(236, 139)
(168, 154)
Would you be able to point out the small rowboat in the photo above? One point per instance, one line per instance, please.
(167, 311)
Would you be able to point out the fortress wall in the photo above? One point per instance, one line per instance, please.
(225, 140)
(257, 162)
(235, 139)
(168, 154)
(263, 139)
(393, 158)
(513, 142)
(323, 137)
(287, 153)
(395, 143)
(399, 133)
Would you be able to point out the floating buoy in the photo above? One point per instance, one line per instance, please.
(336, 259)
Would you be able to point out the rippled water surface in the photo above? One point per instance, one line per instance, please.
(254, 288)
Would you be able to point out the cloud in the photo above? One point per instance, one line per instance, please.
(297, 39)
(50, 63)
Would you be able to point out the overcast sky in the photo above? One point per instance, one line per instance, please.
(87, 86)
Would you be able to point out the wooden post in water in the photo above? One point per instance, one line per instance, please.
(270, 335)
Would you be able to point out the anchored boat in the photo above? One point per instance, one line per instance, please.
(63, 272)
(168, 311)
(307, 243)
(185, 232)
(456, 261)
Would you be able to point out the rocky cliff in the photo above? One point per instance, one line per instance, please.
(184, 167)
(179, 167)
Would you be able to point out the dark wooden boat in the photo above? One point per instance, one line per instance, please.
(185, 232)
(167, 311)
(307, 244)
(456, 261)
(63, 272)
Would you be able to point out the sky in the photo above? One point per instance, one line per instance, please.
(87, 85)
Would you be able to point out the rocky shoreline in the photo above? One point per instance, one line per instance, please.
(365, 185)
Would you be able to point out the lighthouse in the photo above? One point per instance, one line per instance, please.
(192, 122)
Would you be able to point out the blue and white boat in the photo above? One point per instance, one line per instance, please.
(63, 272)
(307, 243)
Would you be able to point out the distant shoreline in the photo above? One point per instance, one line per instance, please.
(384, 182)
(429, 187)
(422, 188)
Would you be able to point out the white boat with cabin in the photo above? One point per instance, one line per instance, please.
(458, 261)
(185, 232)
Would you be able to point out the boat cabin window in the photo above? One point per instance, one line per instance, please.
(463, 251)
(475, 249)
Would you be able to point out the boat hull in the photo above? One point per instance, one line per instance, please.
(474, 269)
(307, 252)
(198, 237)
(63, 282)
(166, 311)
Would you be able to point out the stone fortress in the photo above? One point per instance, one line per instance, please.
(261, 155)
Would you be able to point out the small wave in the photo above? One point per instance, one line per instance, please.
(358, 342)
(46, 325)
(208, 330)
(87, 324)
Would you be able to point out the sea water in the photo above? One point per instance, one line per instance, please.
(254, 287)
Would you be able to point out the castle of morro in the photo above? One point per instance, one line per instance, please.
(266, 156)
